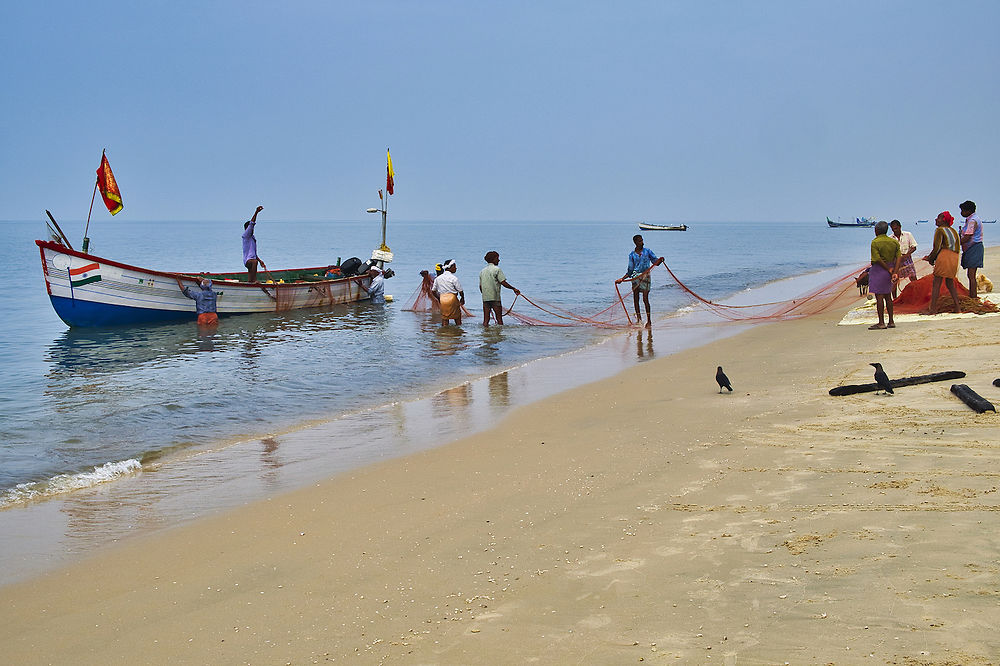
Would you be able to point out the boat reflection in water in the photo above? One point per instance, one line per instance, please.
(113, 349)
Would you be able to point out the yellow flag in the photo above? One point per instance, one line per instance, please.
(388, 172)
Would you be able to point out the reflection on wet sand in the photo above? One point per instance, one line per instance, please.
(500, 390)
(270, 463)
(452, 402)
(644, 350)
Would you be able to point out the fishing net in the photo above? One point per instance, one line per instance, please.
(617, 314)
(422, 300)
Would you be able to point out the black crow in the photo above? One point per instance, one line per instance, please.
(881, 378)
(724, 382)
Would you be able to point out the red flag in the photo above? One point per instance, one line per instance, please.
(388, 172)
(108, 187)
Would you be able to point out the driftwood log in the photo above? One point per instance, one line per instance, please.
(996, 382)
(972, 399)
(851, 389)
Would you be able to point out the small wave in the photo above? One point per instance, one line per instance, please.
(64, 483)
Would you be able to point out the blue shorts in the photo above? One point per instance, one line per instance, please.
(972, 256)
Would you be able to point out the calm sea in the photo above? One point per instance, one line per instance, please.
(84, 406)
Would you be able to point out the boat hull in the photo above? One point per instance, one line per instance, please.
(662, 227)
(87, 291)
(861, 222)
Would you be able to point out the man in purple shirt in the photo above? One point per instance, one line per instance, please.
(250, 258)
(972, 244)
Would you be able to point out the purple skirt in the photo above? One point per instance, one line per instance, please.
(879, 280)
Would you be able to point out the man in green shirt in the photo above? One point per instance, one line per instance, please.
(491, 279)
(883, 272)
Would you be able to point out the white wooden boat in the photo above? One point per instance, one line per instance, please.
(645, 226)
(864, 222)
(88, 290)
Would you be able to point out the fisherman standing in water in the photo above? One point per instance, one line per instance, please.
(250, 258)
(204, 301)
(640, 261)
(491, 279)
(448, 291)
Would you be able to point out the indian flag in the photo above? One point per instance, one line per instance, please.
(84, 275)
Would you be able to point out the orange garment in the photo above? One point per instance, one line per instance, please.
(946, 264)
(208, 319)
(450, 307)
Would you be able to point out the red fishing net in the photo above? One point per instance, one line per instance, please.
(618, 315)
(916, 297)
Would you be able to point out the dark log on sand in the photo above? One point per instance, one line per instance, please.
(851, 389)
(972, 399)
(996, 382)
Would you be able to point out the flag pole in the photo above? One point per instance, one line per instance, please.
(385, 208)
(86, 241)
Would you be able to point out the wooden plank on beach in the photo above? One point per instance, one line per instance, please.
(851, 389)
(972, 399)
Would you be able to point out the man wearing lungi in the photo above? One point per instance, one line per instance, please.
(972, 244)
(883, 273)
(640, 261)
(449, 292)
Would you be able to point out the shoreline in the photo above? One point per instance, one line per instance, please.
(163, 493)
(640, 516)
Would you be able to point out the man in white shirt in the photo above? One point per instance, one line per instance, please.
(907, 246)
(449, 293)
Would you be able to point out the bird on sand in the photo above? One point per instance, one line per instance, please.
(724, 382)
(881, 378)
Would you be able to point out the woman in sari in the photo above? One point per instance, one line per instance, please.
(944, 257)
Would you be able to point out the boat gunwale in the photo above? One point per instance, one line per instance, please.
(58, 247)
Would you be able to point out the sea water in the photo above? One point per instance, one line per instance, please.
(166, 410)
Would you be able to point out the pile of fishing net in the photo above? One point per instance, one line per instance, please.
(916, 297)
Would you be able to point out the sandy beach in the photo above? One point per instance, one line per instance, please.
(645, 517)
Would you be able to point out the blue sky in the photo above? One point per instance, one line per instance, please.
(659, 111)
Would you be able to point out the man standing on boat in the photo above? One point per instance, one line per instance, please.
(640, 261)
(250, 258)
(204, 301)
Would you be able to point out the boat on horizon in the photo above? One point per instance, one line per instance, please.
(923, 221)
(863, 222)
(645, 226)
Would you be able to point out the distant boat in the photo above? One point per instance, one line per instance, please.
(662, 227)
(922, 221)
(858, 222)
(989, 221)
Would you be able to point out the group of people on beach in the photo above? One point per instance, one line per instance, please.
(891, 260)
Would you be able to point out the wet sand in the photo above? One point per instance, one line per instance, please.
(643, 517)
